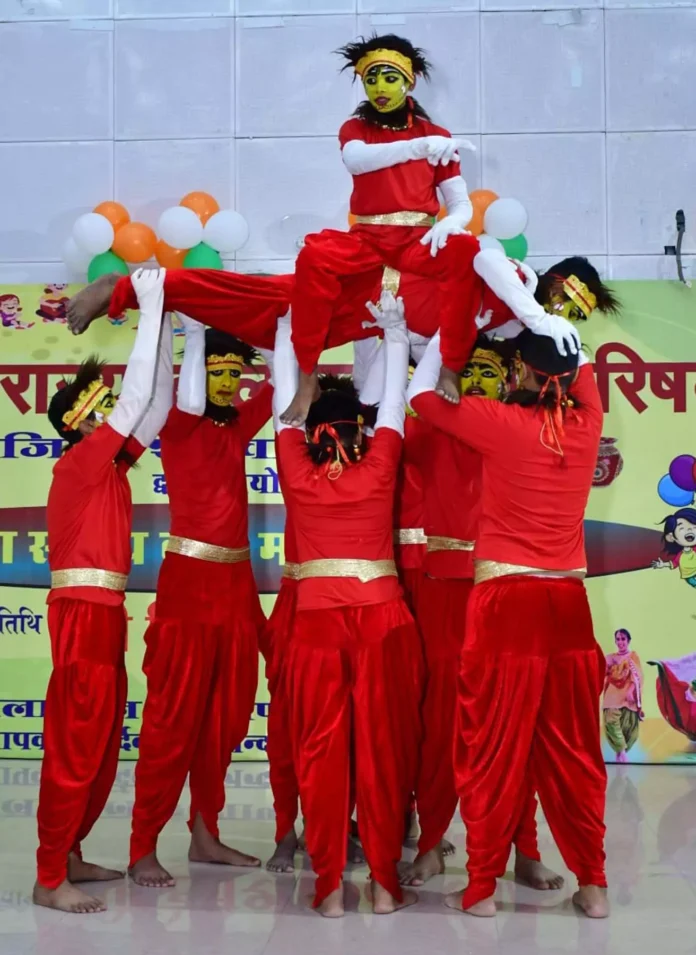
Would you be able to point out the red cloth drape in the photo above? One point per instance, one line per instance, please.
(85, 705)
(355, 681)
(528, 719)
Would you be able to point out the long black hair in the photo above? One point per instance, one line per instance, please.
(582, 268)
(67, 394)
(553, 372)
(337, 416)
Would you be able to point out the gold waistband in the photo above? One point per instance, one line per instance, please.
(291, 570)
(410, 535)
(364, 570)
(211, 552)
(398, 218)
(88, 577)
(490, 569)
(448, 543)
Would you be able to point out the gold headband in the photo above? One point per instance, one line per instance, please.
(386, 58)
(492, 358)
(221, 362)
(580, 295)
(86, 402)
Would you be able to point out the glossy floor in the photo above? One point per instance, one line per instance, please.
(651, 847)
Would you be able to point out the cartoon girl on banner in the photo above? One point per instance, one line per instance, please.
(622, 703)
(679, 529)
(11, 312)
(676, 693)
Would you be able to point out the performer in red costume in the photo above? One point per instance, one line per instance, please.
(529, 639)
(354, 666)
(89, 526)
(201, 659)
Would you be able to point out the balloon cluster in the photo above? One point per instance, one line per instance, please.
(499, 223)
(678, 486)
(191, 235)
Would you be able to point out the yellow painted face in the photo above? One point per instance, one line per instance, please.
(224, 376)
(104, 407)
(560, 304)
(386, 88)
(484, 376)
(572, 299)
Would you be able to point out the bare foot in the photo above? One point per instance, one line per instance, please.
(355, 853)
(448, 848)
(148, 871)
(593, 901)
(90, 303)
(423, 868)
(384, 903)
(485, 909)
(67, 898)
(283, 859)
(411, 830)
(448, 385)
(332, 907)
(296, 413)
(79, 871)
(536, 874)
(206, 848)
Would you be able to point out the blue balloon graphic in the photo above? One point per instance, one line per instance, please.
(673, 495)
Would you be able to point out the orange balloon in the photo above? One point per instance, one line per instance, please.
(114, 212)
(168, 257)
(135, 242)
(442, 213)
(202, 203)
(352, 219)
(480, 200)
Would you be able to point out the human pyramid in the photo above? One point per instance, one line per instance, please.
(432, 640)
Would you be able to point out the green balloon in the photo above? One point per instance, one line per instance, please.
(516, 248)
(201, 256)
(104, 264)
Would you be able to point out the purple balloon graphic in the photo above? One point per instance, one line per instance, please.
(681, 470)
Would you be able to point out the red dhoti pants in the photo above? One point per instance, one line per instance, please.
(85, 706)
(354, 678)
(330, 256)
(411, 580)
(201, 664)
(274, 646)
(528, 719)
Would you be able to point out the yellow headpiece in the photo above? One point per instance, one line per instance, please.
(386, 58)
(580, 295)
(492, 357)
(221, 362)
(86, 402)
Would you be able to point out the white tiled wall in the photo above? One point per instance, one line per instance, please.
(585, 111)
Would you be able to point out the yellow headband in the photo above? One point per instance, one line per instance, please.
(580, 295)
(86, 402)
(492, 358)
(386, 58)
(221, 362)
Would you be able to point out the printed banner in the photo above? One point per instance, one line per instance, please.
(641, 521)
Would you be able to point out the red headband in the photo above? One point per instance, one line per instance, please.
(334, 469)
(553, 417)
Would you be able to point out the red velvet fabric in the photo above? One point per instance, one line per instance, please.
(330, 256)
(201, 664)
(355, 681)
(411, 580)
(85, 703)
(528, 719)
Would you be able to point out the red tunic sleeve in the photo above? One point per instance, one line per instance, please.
(480, 423)
(254, 413)
(180, 425)
(351, 129)
(94, 456)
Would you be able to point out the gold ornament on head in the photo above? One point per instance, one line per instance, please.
(221, 362)
(580, 295)
(386, 58)
(86, 402)
(491, 358)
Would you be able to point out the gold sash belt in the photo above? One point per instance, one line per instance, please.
(410, 535)
(398, 218)
(211, 552)
(364, 570)
(490, 569)
(88, 577)
(292, 571)
(448, 543)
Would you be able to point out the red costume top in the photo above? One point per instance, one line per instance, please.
(406, 187)
(350, 517)
(533, 500)
(89, 512)
(204, 468)
(408, 498)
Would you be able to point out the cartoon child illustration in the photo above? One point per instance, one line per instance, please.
(678, 540)
(52, 305)
(11, 312)
(622, 704)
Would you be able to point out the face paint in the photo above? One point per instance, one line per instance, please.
(560, 304)
(386, 88)
(224, 376)
(96, 400)
(104, 407)
(484, 376)
(571, 299)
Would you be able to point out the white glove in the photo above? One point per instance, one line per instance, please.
(389, 315)
(437, 237)
(560, 329)
(147, 285)
(459, 211)
(442, 150)
(417, 345)
(190, 325)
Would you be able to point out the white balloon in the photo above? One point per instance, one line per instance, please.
(180, 227)
(488, 242)
(505, 218)
(226, 231)
(93, 233)
(75, 258)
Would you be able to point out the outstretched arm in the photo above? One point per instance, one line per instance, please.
(392, 405)
(285, 373)
(154, 418)
(368, 371)
(191, 394)
(360, 157)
